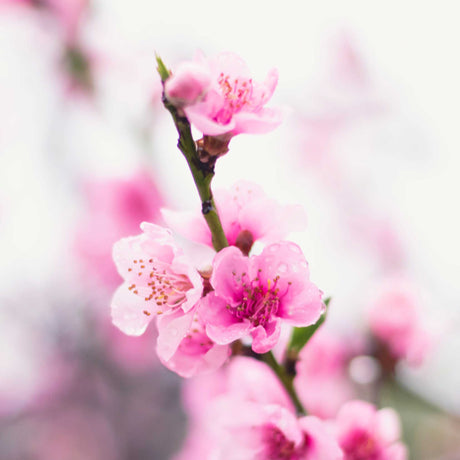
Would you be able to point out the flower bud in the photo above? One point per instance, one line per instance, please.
(188, 85)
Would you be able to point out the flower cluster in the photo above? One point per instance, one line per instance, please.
(248, 299)
(246, 415)
(200, 313)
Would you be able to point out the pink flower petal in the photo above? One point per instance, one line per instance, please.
(127, 312)
(172, 329)
(265, 338)
(260, 122)
(229, 266)
(221, 326)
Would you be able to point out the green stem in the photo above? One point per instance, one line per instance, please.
(286, 380)
(202, 173)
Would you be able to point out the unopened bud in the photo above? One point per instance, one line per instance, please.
(188, 85)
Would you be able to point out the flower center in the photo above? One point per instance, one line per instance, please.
(361, 447)
(259, 301)
(281, 448)
(237, 93)
(159, 284)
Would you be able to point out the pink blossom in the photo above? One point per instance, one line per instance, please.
(233, 103)
(184, 347)
(114, 208)
(188, 85)
(394, 319)
(158, 279)
(252, 431)
(364, 433)
(243, 378)
(243, 412)
(247, 215)
(69, 14)
(254, 295)
(321, 380)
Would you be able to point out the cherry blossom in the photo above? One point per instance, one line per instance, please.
(322, 381)
(395, 320)
(254, 295)
(243, 412)
(258, 432)
(247, 216)
(114, 208)
(158, 279)
(364, 433)
(233, 103)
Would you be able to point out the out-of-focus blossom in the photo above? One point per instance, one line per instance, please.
(188, 85)
(67, 13)
(258, 432)
(379, 233)
(243, 412)
(195, 353)
(394, 319)
(247, 215)
(158, 279)
(254, 295)
(322, 381)
(114, 209)
(345, 93)
(233, 103)
(243, 379)
(367, 434)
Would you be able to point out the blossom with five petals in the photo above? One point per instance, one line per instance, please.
(247, 216)
(158, 279)
(253, 295)
(232, 103)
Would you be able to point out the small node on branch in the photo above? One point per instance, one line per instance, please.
(212, 147)
(206, 207)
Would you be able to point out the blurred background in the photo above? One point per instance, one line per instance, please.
(369, 146)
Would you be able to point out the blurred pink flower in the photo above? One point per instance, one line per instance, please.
(394, 319)
(247, 215)
(364, 433)
(259, 432)
(114, 209)
(69, 13)
(322, 381)
(158, 279)
(233, 103)
(243, 412)
(254, 295)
